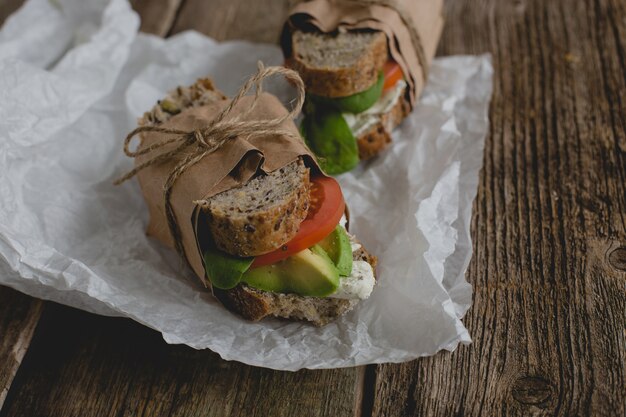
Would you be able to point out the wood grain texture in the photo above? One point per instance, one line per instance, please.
(259, 21)
(549, 231)
(85, 365)
(157, 16)
(548, 319)
(19, 315)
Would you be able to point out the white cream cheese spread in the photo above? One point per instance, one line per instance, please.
(361, 122)
(360, 283)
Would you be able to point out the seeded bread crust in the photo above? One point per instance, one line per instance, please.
(337, 65)
(261, 215)
(255, 304)
(201, 93)
(372, 142)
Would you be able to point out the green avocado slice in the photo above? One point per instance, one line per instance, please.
(224, 270)
(337, 246)
(309, 272)
(267, 278)
(355, 103)
(327, 134)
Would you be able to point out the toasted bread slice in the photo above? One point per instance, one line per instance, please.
(257, 217)
(375, 139)
(340, 64)
(255, 304)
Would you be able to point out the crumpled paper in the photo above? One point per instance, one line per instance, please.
(75, 75)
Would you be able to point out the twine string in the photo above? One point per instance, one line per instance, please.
(192, 146)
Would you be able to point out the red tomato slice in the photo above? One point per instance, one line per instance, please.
(325, 211)
(393, 74)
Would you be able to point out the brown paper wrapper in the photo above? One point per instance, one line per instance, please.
(331, 15)
(230, 166)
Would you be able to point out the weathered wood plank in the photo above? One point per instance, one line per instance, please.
(7, 7)
(259, 21)
(550, 253)
(115, 367)
(157, 17)
(19, 315)
(549, 224)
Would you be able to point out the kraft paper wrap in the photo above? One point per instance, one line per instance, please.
(230, 166)
(331, 15)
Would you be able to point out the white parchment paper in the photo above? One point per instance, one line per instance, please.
(75, 75)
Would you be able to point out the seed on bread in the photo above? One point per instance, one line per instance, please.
(201, 93)
(261, 215)
(255, 218)
(338, 64)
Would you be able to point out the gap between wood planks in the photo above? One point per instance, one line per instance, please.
(364, 398)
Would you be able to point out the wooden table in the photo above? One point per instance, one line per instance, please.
(549, 267)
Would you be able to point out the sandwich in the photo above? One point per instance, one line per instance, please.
(356, 93)
(277, 243)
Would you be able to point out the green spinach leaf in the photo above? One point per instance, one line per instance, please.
(327, 134)
(224, 270)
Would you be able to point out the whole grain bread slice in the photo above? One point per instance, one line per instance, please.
(262, 214)
(378, 137)
(254, 304)
(257, 217)
(338, 64)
